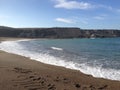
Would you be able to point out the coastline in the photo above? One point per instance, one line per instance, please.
(21, 73)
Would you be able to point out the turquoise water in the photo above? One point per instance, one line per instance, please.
(103, 50)
(97, 57)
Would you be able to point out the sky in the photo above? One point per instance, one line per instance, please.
(85, 14)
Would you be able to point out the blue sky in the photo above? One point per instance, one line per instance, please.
(85, 14)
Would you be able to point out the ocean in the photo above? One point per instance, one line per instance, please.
(99, 57)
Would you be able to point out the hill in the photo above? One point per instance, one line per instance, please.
(57, 32)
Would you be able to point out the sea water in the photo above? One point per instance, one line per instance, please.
(96, 57)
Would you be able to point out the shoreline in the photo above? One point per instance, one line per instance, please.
(27, 74)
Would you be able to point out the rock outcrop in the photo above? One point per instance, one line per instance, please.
(56, 33)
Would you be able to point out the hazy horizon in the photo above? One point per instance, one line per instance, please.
(65, 27)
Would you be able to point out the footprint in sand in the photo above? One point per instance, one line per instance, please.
(31, 81)
(103, 87)
(21, 70)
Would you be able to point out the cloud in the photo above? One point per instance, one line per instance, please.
(64, 20)
(109, 8)
(105, 7)
(72, 4)
(99, 17)
(84, 22)
(118, 10)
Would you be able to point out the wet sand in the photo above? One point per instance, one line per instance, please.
(21, 73)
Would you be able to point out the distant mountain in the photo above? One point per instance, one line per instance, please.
(4, 27)
(57, 32)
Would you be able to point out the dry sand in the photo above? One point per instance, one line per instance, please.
(21, 73)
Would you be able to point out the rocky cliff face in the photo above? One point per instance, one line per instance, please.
(56, 33)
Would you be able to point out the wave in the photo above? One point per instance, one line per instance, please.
(56, 48)
(16, 48)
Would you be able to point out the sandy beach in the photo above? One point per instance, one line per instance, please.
(21, 73)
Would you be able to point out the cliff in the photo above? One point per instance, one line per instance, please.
(56, 33)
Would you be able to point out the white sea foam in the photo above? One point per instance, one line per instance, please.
(56, 48)
(16, 48)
